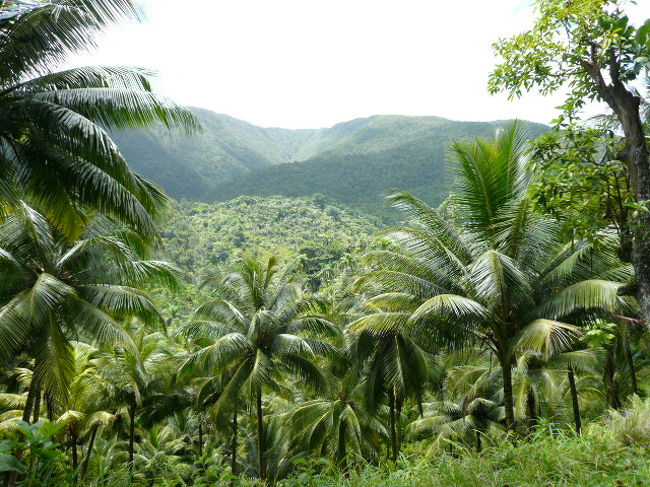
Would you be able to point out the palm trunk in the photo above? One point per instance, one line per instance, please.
(91, 444)
(261, 441)
(342, 451)
(398, 430)
(31, 399)
(200, 440)
(393, 431)
(37, 405)
(233, 445)
(131, 437)
(531, 407)
(506, 371)
(630, 361)
(610, 381)
(27, 414)
(574, 399)
(75, 458)
(49, 404)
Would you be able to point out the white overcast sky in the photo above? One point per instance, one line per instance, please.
(314, 63)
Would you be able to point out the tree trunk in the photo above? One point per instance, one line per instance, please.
(531, 407)
(131, 437)
(630, 361)
(610, 381)
(75, 458)
(37, 404)
(399, 404)
(91, 444)
(393, 431)
(27, 414)
(261, 441)
(506, 371)
(344, 457)
(233, 445)
(574, 399)
(626, 105)
(200, 439)
(31, 399)
(49, 404)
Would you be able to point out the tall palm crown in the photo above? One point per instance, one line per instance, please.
(54, 292)
(256, 325)
(490, 271)
(54, 147)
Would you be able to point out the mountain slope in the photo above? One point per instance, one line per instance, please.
(190, 167)
(355, 162)
(379, 155)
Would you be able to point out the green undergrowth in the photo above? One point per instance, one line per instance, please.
(561, 460)
(548, 458)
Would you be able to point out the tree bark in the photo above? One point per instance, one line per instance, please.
(233, 445)
(574, 399)
(91, 445)
(506, 371)
(261, 440)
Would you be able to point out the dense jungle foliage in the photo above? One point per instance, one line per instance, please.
(497, 338)
(319, 233)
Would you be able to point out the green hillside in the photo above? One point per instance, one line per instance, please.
(375, 156)
(355, 162)
(191, 167)
(314, 230)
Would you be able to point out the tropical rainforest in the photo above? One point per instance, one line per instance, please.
(394, 301)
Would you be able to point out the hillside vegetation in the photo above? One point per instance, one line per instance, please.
(313, 230)
(355, 162)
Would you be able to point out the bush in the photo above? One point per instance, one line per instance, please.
(631, 426)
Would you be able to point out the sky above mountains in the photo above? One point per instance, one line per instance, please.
(312, 63)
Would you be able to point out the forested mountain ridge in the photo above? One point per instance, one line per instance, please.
(355, 162)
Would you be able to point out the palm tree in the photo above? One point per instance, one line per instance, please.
(337, 425)
(255, 326)
(54, 145)
(396, 367)
(469, 420)
(83, 407)
(487, 269)
(135, 374)
(55, 292)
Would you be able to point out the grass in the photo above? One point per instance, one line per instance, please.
(542, 461)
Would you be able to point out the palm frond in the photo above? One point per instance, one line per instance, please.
(547, 337)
